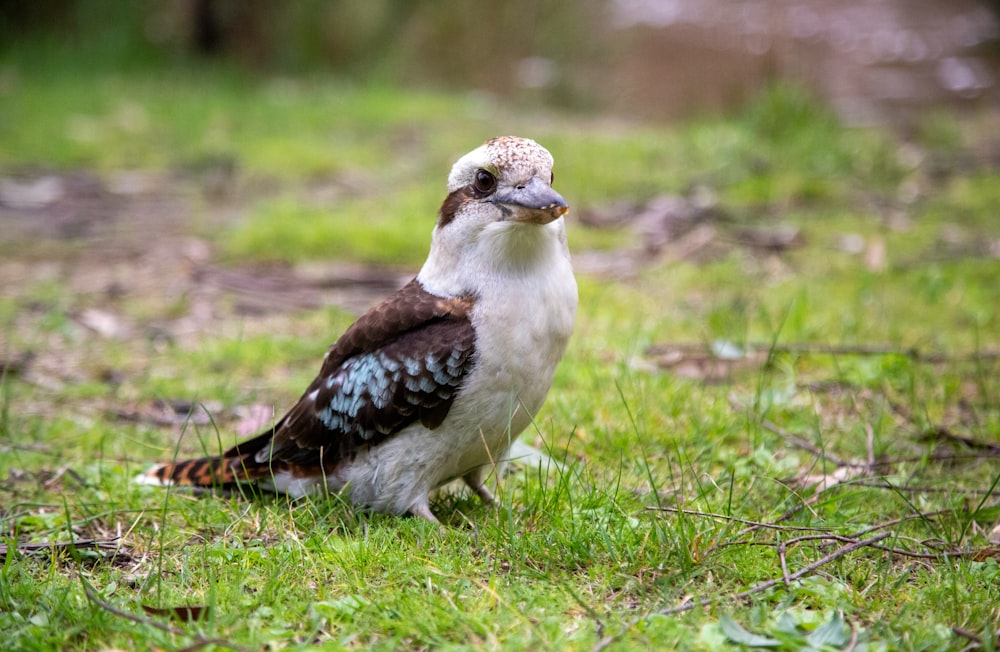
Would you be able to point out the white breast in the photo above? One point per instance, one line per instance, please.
(523, 318)
(526, 299)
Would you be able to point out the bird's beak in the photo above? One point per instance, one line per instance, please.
(534, 202)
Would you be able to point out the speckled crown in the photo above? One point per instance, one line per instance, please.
(497, 154)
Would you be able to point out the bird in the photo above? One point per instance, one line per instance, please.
(436, 382)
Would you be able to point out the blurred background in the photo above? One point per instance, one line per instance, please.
(199, 136)
(785, 228)
(212, 148)
(873, 61)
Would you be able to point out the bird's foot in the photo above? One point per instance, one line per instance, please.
(475, 482)
(423, 510)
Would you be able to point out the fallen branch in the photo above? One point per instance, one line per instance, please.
(909, 517)
(976, 640)
(937, 455)
(91, 594)
(782, 547)
(58, 545)
(819, 348)
(799, 442)
(763, 586)
(922, 489)
(824, 533)
(769, 526)
(977, 555)
(200, 641)
(942, 433)
(913, 353)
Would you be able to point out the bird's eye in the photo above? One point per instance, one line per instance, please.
(485, 182)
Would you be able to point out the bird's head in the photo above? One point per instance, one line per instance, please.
(506, 179)
(501, 218)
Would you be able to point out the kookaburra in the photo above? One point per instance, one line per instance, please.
(437, 381)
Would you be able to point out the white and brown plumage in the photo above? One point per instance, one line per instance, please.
(437, 381)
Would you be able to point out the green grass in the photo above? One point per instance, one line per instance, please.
(658, 465)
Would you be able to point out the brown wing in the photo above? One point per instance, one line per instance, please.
(401, 362)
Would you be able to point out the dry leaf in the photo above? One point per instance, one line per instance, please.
(106, 324)
(184, 614)
(875, 256)
(986, 553)
(823, 481)
(713, 363)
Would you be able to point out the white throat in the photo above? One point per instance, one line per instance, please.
(505, 253)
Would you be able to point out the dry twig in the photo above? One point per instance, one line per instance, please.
(200, 641)
(824, 533)
(784, 564)
(734, 519)
(980, 553)
(798, 442)
(763, 586)
(58, 545)
(922, 489)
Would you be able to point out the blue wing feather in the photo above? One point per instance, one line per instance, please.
(403, 361)
(373, 395)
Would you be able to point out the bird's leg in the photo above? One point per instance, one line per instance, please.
(474, 480)
(423, 510)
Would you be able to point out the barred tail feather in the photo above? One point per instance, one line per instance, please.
(202, 472)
